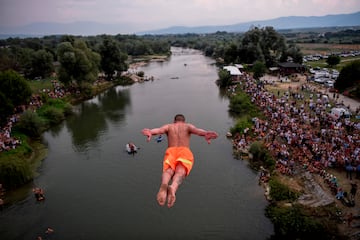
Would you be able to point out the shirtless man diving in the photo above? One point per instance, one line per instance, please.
(178, 159)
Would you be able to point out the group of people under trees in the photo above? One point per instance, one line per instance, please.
(7, 141)
(298, 131)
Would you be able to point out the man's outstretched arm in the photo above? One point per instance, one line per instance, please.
(155, 131)
(203, 133)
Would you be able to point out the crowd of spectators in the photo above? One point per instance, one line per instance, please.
(7, 141)
(299, 132)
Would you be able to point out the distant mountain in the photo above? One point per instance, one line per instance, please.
(74, 28)
(292, 22)
(95, 28)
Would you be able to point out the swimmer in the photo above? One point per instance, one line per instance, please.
(178, 159)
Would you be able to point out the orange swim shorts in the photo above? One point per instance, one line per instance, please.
(178, 155)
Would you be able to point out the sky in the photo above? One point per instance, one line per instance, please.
(142, 15)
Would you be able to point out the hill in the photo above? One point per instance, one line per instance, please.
(291, 22)
(94, 28)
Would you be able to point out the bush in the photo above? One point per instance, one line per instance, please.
(86, 90)
(31, 124)
(224, 78)
(140, 74)
(281, 192)
(52, 114)
(292, 223)
(14, 172)
(241, 123)
(261, 156)
(15, 169)
(124, 81)
(240, 104)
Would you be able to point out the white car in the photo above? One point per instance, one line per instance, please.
(320, 80)
(329, 83)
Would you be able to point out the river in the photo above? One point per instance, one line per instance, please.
(95, 190)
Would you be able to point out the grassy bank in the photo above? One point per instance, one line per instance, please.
(18, 166)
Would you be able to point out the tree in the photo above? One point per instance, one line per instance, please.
(16, 91)
(224, 78)
(231, 53)
(265, 45)
(259, 69)
(112, 59)
(6, 108)
(78, 63)
(42, 64)
(349, 76)
(333, 60)
(272, 45)
(294, 52)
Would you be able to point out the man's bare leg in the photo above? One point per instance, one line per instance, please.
(165, 178)
(177, 179)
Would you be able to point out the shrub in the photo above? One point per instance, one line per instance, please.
(224, 78)
(292, 223)
(140, 73)
(52, 114)
(261, 156)
(280, 192)
(240, 104)
(31, 124)
(15, 172)
(124, 81)
(14, 169)
(241, 123)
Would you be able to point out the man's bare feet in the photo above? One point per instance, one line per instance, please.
(162, 194)
(171, 198)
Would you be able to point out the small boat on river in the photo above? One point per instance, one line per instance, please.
(131, 148)
(159, 138)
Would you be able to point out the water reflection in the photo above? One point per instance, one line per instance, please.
(114, 102)
(90, 119)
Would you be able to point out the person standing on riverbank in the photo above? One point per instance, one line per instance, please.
(178, 159)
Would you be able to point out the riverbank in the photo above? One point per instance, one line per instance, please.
(29, 153)
(285, 105)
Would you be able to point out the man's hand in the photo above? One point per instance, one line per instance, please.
(210, 135)
(147, 132)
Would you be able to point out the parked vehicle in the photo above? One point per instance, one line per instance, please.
(329, 83)
(338, 112)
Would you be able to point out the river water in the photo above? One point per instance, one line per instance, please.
(95, 190)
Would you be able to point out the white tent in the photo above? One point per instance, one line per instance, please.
(234, 71)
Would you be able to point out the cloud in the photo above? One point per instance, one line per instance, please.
(152, 14)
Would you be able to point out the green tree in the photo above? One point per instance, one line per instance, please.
(349, 76)
(259, 70)
(7, 60)
(240, 104)
(231, 53)
(42, 64)
(224, 78)
(15, 89)
(262, 44)
(112, 59)
(272, 45)
(294, 52)
(78, 63)
(333, 60)
(6, 108)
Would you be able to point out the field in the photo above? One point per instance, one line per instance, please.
(322, 48)
(38, 85)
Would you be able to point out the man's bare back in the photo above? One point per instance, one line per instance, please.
(179, 134)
